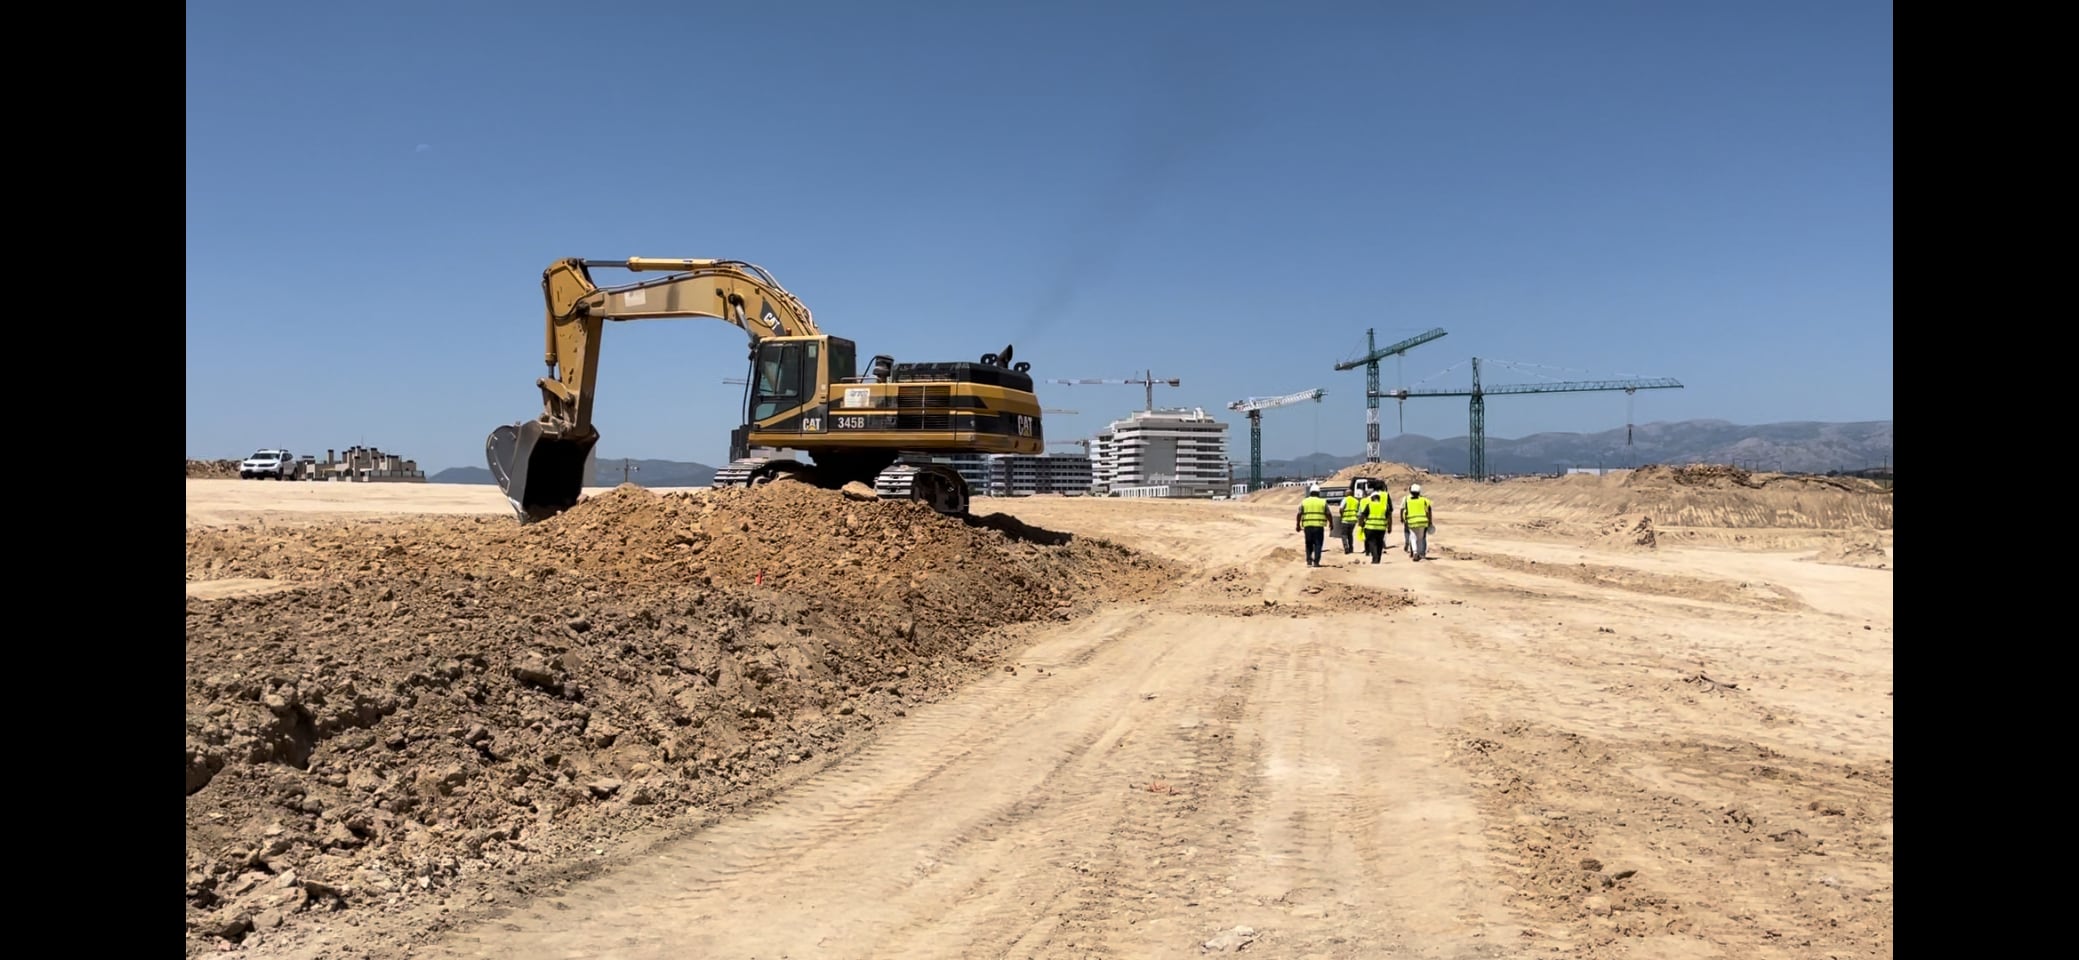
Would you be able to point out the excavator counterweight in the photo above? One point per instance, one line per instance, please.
(889, 428)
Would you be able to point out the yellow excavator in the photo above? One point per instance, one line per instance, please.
(804, 393)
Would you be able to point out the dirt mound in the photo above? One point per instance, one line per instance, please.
(212, 469)
(1396, 475)
(1629, 531)
(1718, 476)
(1861, 552)
(1242, 591)
(1691, 502)
(1713, 475)
(457, 697)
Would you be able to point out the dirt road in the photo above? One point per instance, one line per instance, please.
(1525, 747)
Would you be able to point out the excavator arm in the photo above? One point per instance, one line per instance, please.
(540, 464)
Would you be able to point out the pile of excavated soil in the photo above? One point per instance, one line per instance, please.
(1242, 591)
(1718, 476)
(1396, 475)
(1627, 532)
(434, 702)
(1732, 503)
(212, 469)
(1864, 552)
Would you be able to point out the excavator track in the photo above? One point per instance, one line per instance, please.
(743, 473)
(940, 487)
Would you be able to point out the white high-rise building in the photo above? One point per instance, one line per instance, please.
(1162, 453)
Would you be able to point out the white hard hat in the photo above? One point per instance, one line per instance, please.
(1414, 488)
(1313, 488)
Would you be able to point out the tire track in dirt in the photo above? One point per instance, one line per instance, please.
(1364, 841)
(1036, 751)
(1125, 853)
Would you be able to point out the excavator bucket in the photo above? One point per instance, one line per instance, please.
(542, 475)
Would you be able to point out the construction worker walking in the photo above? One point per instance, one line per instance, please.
(1418, 516)
(1312, 521)
(1351, 506)
(1377, 524)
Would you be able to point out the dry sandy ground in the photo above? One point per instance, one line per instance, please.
(225, 502)
(1565, 746)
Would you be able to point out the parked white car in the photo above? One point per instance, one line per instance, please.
(267, 463)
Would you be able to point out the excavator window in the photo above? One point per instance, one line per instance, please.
(787, 377)
(844, 360)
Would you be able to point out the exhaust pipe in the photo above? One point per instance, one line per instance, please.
(541, 474)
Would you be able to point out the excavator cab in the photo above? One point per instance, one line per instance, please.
(790, 378)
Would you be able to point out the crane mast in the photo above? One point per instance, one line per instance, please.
(1370, 362)
(1254, 407)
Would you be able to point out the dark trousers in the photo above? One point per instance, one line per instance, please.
(1314, 538)
(1375, 544)
(1349, 535)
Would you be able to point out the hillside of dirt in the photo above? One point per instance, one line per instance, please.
(1714, 503)
(1723, 477)
(212, 470)
(1396, 475)
(419, 706)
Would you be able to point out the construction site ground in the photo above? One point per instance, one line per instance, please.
(1640, 716)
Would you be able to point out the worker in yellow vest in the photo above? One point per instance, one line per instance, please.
(1313, 522)
(1377, 524)
(1351, 507)
(1418, 516)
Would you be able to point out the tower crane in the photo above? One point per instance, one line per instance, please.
(1254, 407)
(1477, 437)
(1054, 410)
(1370, 363)
(1084, 443)
(1149, 381)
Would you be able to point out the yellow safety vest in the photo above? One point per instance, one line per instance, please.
(1313, 512)
(1418, 511)
(1349, 510)
(1375, 514)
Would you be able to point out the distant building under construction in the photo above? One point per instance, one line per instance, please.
(360, 465)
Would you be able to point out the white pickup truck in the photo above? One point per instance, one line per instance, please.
(267, 463)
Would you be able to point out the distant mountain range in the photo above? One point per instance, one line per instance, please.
(1801, 447)
(607, 473)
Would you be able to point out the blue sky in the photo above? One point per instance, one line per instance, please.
(1219, 193)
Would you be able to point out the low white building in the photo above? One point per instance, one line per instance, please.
(1180, 452)
(1012, 475)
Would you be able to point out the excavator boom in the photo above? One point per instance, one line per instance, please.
(887, 425)
(540, 464)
